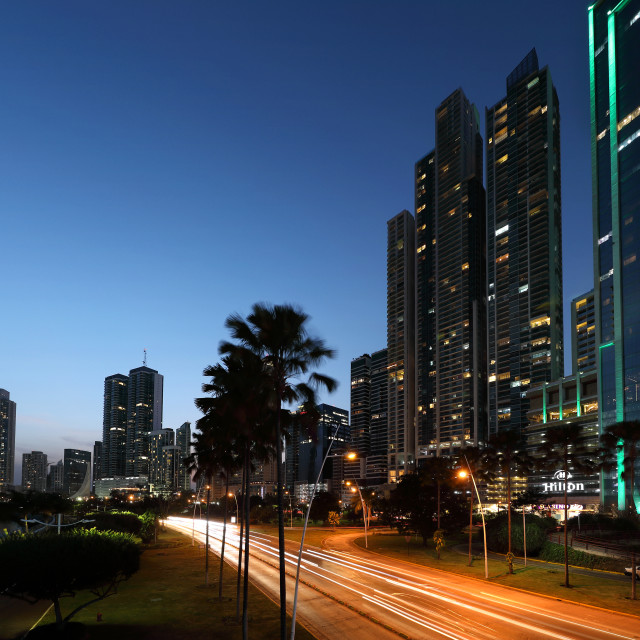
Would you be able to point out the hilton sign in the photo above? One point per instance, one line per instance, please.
(559, 480)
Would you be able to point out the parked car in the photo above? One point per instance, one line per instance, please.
(628, 570)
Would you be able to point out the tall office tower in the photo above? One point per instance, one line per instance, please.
(401, 344)
(425, 301)
(97, 465)
(524, 243)
(183, 440)
(361, 404)
(55, 479)
(171, 472)
(77, 472)
(7, 440)
(377, 459)
(114, 425)
(34, 471)
(614, 50)
(144, 415)
(157, 464)
(583, 332)
(451, 292)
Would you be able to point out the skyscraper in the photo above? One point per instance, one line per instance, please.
(7, 440)
(183, 441)
(361, 404)
(583, 332)
(97, 465)
(614, 50)
(144, 415)
(377, 458)
(524, 243)
(77, 470)
(451, 300)
(158, 440)
(401, 344)
(34, 471)
(55, 479)
(114, 425)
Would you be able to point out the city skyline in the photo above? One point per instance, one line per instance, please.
(170, 146)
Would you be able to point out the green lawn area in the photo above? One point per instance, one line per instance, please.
(167, 599)
(591, 589)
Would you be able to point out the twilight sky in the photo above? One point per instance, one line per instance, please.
(164, 164)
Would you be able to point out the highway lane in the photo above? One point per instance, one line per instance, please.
(426, 603)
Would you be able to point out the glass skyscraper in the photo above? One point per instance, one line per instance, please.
(614, 51)
(7, 440)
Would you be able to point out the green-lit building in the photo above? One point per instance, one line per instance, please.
(614, 52)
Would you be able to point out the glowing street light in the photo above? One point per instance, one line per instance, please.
(463, 474)
(365, 515)
(233, 495)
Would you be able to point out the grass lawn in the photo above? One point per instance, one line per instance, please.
(167, 599)
(589, 589)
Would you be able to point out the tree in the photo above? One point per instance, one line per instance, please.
(323, 503)
(437, 471)
(51, 567)
(565, 448)
(507, 454)
(278, 336)
(623, 437)
(334, 519)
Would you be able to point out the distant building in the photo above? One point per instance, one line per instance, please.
(144, 415)
(7, 440)
(183, 440)
(524, 243)
(55, 479)
(114, 425)
(377, 458)
(97, 464)
(134, 485)
(361, 404)
(34, 471)
(159, 481)
(401, 238)
(583, 333)
(77, 465)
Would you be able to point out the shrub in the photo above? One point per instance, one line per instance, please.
(498, 534)
(122, 521)
(552, 552)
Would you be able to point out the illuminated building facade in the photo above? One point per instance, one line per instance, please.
(183, 440)
(144, 415)
(400, 345)
(377, 459)
(34, 471)
(7, 440)
(114, 425)
(451, 276)
(524, 243)
(614, 51)
(361, 404)
(583, 332)
(77, 466)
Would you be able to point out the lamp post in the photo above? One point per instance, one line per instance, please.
(290, 508)
(463, 474)
(196, 503)
(206, 544)
(364, 510)
(233, 495)
(350, 456)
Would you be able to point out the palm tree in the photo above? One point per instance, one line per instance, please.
(507, 454)
(565, 449)
(278, 336)
(623, 437)
(435, 472)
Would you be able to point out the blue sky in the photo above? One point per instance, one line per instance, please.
(164, 164)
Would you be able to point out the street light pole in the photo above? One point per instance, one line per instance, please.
(206, 545)
(233, 495)
(304, 530)
(484, 529)
(364, 513)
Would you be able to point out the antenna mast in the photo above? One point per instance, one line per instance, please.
(144, 361)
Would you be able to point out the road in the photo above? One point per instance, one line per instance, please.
(413, 600)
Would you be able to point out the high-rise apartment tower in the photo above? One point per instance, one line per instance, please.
(7, 439)
(524, 243)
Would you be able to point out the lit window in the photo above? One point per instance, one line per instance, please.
(503, 159)
(502, 229)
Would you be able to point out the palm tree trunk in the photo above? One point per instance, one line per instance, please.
(56, 608)
(281, 549)
(241, 515)
(206, 544)
(566, 529)
(438, 490)
(224, 534)
(470, 524)
(245, 599)
(509, 515)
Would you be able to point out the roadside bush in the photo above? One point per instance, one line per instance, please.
(498, 534)
(122, 521)
(147, 526)
(262, 514)
(603, 522)
(552, 552)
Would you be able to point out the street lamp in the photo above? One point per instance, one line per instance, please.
(290, 508)
(365, 516)
(349, 456)
(463, 474)
(233, 495)
(206, 544)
